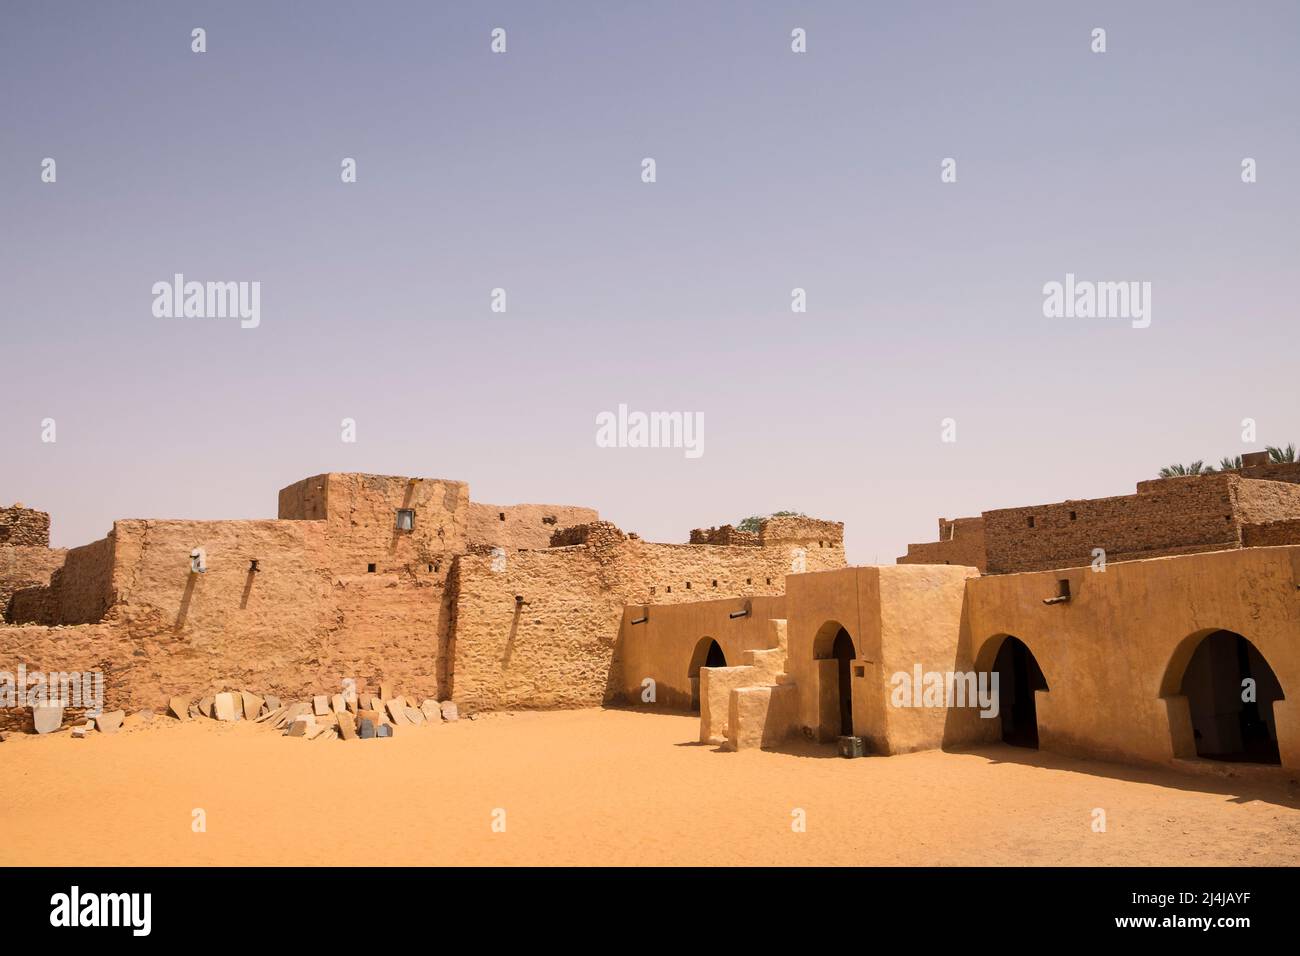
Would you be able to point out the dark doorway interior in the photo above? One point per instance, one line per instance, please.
(844, 653)
(708, 653)
(715, 658)
(1226, 726)
(1018, 677)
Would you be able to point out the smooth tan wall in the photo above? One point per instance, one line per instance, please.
(1114, 654)
(663, 647)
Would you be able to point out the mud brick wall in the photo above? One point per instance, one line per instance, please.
(559, 648)
(1170, 516)
(1269, 471)
(1271, 533)
(360, 518)
(1264, 501)
(23, 527)
(961, 542)
(523, 526)
(25, 570)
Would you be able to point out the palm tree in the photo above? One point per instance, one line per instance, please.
(1230, 464)
(1280, 456)
(1178, 471)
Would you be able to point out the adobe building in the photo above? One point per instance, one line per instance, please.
(372, 578)
(1161, 627)
(1157, 628)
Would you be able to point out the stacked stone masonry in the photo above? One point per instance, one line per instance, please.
(1167, 516)
(374, 578)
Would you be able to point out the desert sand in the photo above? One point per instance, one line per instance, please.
(603, 787)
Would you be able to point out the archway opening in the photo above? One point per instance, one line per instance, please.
(1230, 690)
(707, 653)
(1019, 676)
(844, 653)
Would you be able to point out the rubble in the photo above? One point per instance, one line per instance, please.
(47, 718)
(227, 706)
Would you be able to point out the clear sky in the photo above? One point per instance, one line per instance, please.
(522, 171)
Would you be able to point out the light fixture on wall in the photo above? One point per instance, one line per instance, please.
(198, 561)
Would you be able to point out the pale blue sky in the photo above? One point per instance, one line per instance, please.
(522, 171)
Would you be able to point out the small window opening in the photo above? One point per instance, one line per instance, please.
(405, 519)
(1074, 516)
(715, 582)
(1031, 521)
(370, 569)
(252, 565)
(502, 516)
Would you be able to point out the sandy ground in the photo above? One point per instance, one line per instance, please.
(602, 787)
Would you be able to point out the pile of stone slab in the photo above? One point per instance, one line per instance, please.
(347, 716)
(48, 718)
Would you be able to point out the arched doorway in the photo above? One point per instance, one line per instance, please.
(834, 643)
(707, 653)
(1019, 676)
(1230, 690)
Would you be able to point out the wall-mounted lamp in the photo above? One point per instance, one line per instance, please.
(520, 602)
(735, 614)
(640, 620)
(198, 561)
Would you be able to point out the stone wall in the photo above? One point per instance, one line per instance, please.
(1271, 533)
(24, 528)
(335, 588)
(961, 542)
(523, 526)
(561, 647)
(1168, 516)
(25, 572)
(725, 534)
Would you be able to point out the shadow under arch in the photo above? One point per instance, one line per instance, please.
(1219, 691)
(707, 653)
(833, 644)
(1020, 679)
